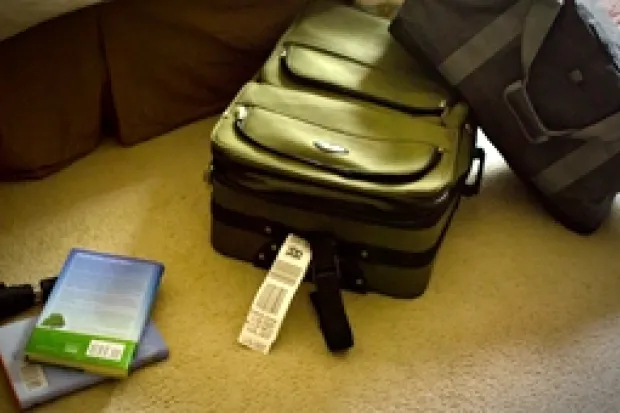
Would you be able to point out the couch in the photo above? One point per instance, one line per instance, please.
(128, 70)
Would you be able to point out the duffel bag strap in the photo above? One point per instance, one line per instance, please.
(533, 20)
(530, 19)
(327, 298)
(486, 44)
(601, 139)
(538, 24)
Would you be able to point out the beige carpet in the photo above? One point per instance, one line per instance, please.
(521, 315)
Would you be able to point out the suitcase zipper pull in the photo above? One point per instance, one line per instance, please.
(445, 107)
(241, 113)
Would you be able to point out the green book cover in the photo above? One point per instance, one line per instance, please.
(96, 313)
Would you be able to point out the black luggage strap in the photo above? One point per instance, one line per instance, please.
(327, 298)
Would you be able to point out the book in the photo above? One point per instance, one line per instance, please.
(96, 313)
(33, 384)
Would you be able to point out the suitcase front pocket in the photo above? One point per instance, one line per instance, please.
(361, 157)
(354, 147)
(341, 49)
(397, 89)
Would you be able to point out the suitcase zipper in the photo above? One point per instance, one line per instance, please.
(241, 114)
(351, 252)
(440, 110)
(426, 217)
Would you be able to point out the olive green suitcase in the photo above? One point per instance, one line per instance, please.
(343, 139)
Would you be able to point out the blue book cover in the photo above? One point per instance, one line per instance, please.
(33, 384)
(96, 313)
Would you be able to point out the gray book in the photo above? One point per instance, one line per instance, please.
(34, 383)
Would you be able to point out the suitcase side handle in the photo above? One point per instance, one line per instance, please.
(473, 180)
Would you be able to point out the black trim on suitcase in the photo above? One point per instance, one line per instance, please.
(351, 275)
(429, 210)
(367, 253)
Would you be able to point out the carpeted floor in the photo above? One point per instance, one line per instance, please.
(521, 315)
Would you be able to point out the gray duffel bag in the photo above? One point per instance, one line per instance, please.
(544, 87)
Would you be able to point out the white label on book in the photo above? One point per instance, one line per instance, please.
(275, 295)
(105, 350)
(32, 376)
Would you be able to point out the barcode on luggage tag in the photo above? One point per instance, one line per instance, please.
(105, 350)
(274, 296)
(32, 376)
(286, 273)
(261, 325)
(271, 298)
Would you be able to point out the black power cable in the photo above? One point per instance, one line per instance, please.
(15, 299)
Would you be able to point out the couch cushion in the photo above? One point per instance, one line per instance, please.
(50, 106)
(174, 62)
(17, 16)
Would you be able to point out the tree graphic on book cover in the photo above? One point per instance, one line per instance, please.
(54, 320)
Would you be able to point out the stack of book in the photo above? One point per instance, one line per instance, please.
(94, 326)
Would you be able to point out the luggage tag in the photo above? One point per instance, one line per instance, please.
(275, 295)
